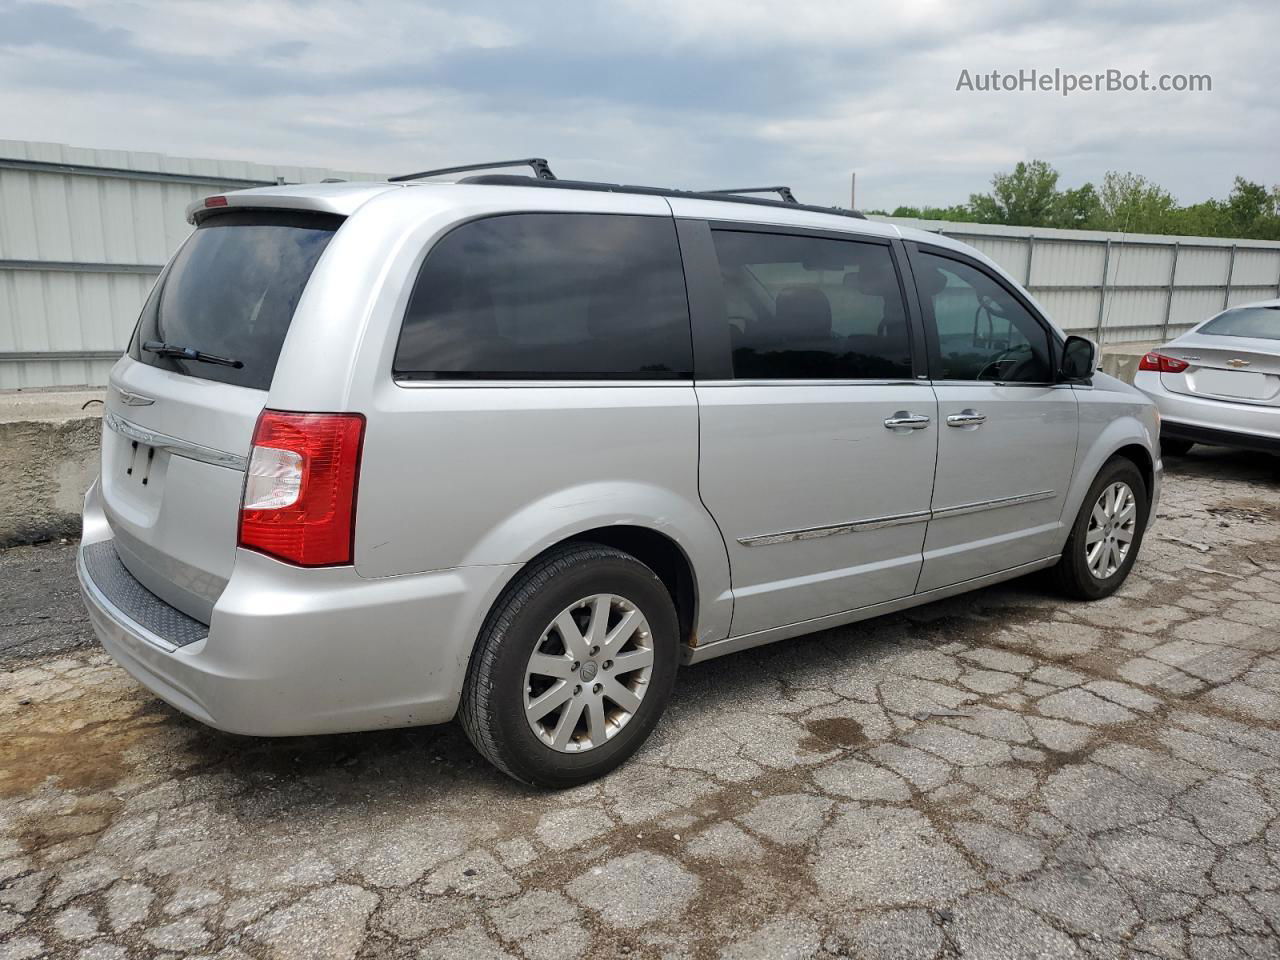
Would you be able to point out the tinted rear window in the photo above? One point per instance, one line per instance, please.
(1260, 322)
(550, 296)
(231, 292)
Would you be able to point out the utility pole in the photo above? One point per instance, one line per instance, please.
(853, 191)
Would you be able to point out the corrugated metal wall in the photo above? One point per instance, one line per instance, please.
(83, 234)
(1155, 287)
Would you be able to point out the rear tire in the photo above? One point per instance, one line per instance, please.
(540, 645)
(1174, 447)
(1088, 569)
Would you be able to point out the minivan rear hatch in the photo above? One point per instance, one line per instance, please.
(181, 406)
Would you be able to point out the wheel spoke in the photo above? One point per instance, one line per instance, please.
(619, 635)
(568, 723)
(574, 641)
(1129, 512)
(632, 660)
(1094, 535)
(596, 728)
(620, 695)
(1123, 535)
(545, 665)
(1093, 558)
(548, 701)
(599, 624)
(1113, 564)
(1099, 513)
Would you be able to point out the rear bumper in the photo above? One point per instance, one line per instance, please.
(1219, 438)
(294, 652)
(1206, 420)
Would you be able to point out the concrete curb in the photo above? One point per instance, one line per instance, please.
(48, 459)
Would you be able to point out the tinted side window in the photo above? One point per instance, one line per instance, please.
(550, 296)
(983, 332)
(231, 291)
(812, 308)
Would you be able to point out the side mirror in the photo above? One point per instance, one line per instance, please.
(1079, 359)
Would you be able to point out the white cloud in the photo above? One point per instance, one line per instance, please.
(660, 91)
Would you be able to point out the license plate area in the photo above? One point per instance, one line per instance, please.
(139, 462)
(1236, 384)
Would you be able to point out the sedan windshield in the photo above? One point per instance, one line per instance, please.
(1260, 322)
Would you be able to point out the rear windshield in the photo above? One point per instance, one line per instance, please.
(230, 293)
(1260, 322)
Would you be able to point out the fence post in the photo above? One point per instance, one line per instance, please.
(1168, 304)
(1102, 289)
(1031, 251)
(1231, 269)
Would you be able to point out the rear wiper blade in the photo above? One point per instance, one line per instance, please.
(162, 349)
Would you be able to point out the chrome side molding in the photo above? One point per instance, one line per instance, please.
(880, 523)
(835, 530)
(978, 506)
(174, 445)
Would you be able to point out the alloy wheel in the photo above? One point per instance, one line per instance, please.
(588, 673)
(1112, 526)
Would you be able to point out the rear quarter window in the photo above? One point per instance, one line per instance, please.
(231, 291)
(550, 296)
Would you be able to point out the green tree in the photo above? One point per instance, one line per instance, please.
(1133, 204)
(1023, 197)
(1078, 209)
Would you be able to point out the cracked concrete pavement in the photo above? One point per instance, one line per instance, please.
(1004, 774)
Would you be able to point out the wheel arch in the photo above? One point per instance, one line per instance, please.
(1127, 437)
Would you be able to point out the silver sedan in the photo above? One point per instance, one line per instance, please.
(1219, 383)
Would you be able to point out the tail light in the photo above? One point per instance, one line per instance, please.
(300, 490)
(1160, 363)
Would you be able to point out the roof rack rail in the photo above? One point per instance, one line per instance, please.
(524, 180)
(784, 192)
(541, 169)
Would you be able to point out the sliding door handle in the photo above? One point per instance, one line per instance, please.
(967, 418)
(902, 420)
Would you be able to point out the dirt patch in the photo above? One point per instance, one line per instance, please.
(833, 732)
(1246, 510)
(56, 743)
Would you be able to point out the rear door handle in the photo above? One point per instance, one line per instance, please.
(967, 418)
(902, 420)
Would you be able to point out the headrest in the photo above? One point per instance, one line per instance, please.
(930, 281)
(803, 313)
(876, 279)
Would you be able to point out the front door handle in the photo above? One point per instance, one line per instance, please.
(967, 418)
(902, 420)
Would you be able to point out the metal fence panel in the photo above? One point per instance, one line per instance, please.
(83, 234)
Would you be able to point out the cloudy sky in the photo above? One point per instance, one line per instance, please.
(692, 93)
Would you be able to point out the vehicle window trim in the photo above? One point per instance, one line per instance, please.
(708, 311)
(421, 379)
(915, 249)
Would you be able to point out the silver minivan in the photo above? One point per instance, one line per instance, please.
(512, 449)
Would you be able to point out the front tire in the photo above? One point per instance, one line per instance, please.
(573, 667)
(1107, 533)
